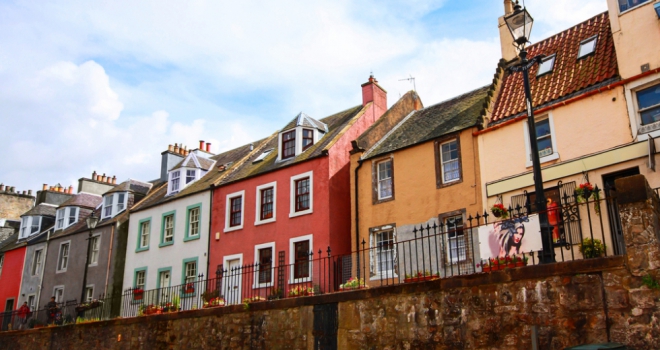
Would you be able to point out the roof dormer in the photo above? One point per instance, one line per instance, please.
(189, 170)
(299, 135)
(66, 217)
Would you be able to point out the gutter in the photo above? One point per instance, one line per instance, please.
(107, 271)
(357, 215)
(570, 100)
(208, 242)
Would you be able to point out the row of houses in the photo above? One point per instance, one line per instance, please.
(361, 178)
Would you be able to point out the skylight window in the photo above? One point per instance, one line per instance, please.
(263, 155)
(587, 47)
(546, 65)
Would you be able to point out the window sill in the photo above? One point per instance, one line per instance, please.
(634, 7)
(165, 244)
(383, 200)
(60, 271)
(545, 159)
(93, 265)
(192, 238)
(300, 213)
(263, 222)
(300, 280)
(441, 184)
(234, 228)
(144, 249)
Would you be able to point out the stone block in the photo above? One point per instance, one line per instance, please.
(643, 298)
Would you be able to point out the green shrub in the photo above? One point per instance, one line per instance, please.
(592, 248)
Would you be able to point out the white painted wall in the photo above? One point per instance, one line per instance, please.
(172, 255)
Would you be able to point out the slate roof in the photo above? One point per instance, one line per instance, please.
(41, 209)
(303, 119)
(227, 159)
(569, 75)
(83, 200)
(453, 115)
(131, 185)
(9, 243)
(335, 124)
(189, 162)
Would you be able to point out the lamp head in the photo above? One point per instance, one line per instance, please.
(92, 221)
(520, 24)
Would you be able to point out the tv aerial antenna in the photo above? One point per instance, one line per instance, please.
(410, 79)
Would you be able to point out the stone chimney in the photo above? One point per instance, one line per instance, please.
(509, 51)
(372, 92)
(169, 159)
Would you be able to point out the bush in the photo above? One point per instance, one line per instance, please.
(592, 248)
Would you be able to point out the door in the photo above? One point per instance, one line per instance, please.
(232, 283)
(613, 209)
(164, 285)
(325, 326)
(9, 307)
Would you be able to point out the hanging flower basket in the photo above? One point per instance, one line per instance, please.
(499, 211)
(584, 191)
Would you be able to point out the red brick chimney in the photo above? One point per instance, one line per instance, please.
(372, 92)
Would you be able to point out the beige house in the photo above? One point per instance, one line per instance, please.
(596, 98)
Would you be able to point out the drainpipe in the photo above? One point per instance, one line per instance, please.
(43, 267)
(107, 271)
(357, 216)
(208, 247)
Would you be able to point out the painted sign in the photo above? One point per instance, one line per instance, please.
(510, 237)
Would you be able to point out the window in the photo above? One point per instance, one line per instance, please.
(546, 66)
(24, 226)
(73, 215)
(262, 156)
(95, 246)
(266, 203)
(383, 252)
(36, 221)
(107, 206)
(307, 138)
(174, 181)
(450, 162)
(648, 102)
(456, 250)
(140, 279)
(264, 262)
(37, 262)
(191, 175)
(59, 218)
(145, 232)
(587, 47)
(191, 272)
(193, 216)
(58, 293)
(302, 191)
(625, 5)
(384, 174)
(289, 144)
(89, 294)
(545, 140)
(32, 299)
(2, 262)
(168, 228)
(302, 256)
(234, 211)
(63, 259)
(121, 202)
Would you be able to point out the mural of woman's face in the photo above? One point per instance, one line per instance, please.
(520, 232)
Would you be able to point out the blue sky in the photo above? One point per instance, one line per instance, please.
(106, 86)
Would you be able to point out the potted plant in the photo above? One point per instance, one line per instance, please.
(215, 302)
(485, 266)
(300, 291)
(275, 294)
(499, 211)
(420, 276)
(353, 283)
(519, 261)
(592, 248)
(210, 294)
(584, 191)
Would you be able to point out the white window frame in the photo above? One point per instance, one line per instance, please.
(590, 39)
(142, 286)
(61, 296)
(168, 239)
(632, 7)
(451, 259)
(194, 175)
(32, 224)
(143, 235)
(105, 205)
(553, 136)
(292, 258)
(231, 196)
(550, 61)
(59, 218)
(25, 223)
(378, 180)
(641, 132)
(91, 250)
(37, 265)
(114, 204)
(442, 161)
(170, 181)
(185, 272)
(32, 305)
(292, 198)
(63, 215)
(257, 220)
(255, 283)
(59, 268)
(89, 298)
(373, 254)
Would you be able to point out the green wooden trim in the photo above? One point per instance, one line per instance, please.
(135, 271)
(162, 228)
(163, 269)
(183, 276)
(139, 235)
(186, 237)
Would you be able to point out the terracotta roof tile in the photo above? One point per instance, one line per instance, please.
(569, 74)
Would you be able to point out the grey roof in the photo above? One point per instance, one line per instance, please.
(41, 209)
(132, 186)
(84, 200)
(9, 242)
(426, 124)
(189, 162)
(303, 119)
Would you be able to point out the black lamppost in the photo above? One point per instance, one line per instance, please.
(520, 25)
(92, 220)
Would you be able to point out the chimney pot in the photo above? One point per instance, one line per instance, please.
(176, 148)
(2, 187)
(94, 175)
(201, 145)
(114, 179)
(29, 192)
(10, 189)
(23, 192)
(508, 7)
(45, 187)
(70, 189)
(103, 178)
(208, 147)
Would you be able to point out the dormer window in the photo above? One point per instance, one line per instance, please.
(189, 170)
(308, 139)
(174, 181)
(191, 175)
(66, 217)
(114, 204)
(546, 66)
(587, 47)
(29, 225)
(289, 144)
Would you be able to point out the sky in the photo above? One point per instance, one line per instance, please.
(107, 85)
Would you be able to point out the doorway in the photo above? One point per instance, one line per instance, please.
(164, 285)
(6, 320)
(613, 209)
(232, 283)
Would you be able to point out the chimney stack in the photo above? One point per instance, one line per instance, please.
(201, 145)
(29, 192)
(23, 192)
(208, 147)
(506, 40)
(176, 148)
(2, 187)
(372, 92)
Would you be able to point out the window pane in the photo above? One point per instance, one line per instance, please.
(308, 138)
(455, 237)
(546, 66)
(121, 201)
(587, 47)
(626, 4)
(302, 194)
(289, 144)
(190, 175)
(94, 254)
(169, 229)
(649, 104)
(266, 203)
(36, 220)
(139, 279)
(89, 294)
(265, 265)
(384, 251)
(60, 218)
(236, 209)
(301, 269)
(193, 218)
(191, 272)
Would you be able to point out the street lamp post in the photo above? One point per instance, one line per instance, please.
(520, 24)
(92, 220)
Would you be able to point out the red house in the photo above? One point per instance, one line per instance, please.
(289, 198)
(12, 257)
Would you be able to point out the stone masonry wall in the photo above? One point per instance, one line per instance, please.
(13, 205)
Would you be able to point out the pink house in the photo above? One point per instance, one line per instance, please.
(289, 198)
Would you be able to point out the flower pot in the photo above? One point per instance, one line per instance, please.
(511, 265)
(485, 268)
(189, 291)
(586, 194)
(520, 263)
(138, 296)
(497, 214)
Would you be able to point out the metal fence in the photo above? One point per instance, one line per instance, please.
(584, 226)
